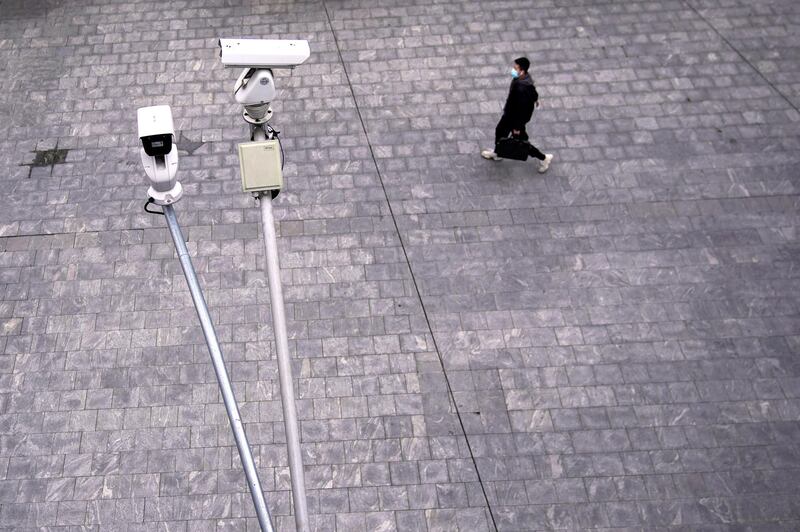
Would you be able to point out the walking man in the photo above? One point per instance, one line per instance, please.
(522, 98)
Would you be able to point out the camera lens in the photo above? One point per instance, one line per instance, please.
(155, 145)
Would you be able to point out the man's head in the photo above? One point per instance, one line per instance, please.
(521, 65)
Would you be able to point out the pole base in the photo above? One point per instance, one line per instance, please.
(166, 198)
(255, 120)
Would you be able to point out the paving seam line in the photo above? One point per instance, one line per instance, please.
(408, 263)
(744, 58)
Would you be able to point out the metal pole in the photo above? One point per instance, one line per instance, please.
(262, 512)
(284, 364)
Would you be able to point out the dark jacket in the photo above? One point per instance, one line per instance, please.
(519, 105)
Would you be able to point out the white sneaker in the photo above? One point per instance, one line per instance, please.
(489, 154)
(544, 165)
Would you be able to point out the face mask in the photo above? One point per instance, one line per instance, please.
(514, 73)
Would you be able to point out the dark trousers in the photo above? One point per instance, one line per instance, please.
(503, 130)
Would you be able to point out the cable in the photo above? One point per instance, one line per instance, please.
(148, 202)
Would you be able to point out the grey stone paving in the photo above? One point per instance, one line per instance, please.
(612, 345)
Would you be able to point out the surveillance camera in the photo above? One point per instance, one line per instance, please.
(255, 87)
(159, 153)
(263, 53)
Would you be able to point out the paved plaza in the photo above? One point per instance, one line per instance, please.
(612, 345)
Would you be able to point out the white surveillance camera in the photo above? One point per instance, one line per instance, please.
(159, 153)
(255, 87)
(263, 53)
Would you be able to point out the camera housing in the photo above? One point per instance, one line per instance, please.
(156, 125)
(263, 53)
(159, 153)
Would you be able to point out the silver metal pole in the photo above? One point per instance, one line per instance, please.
(284, 364)
(262, 512)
